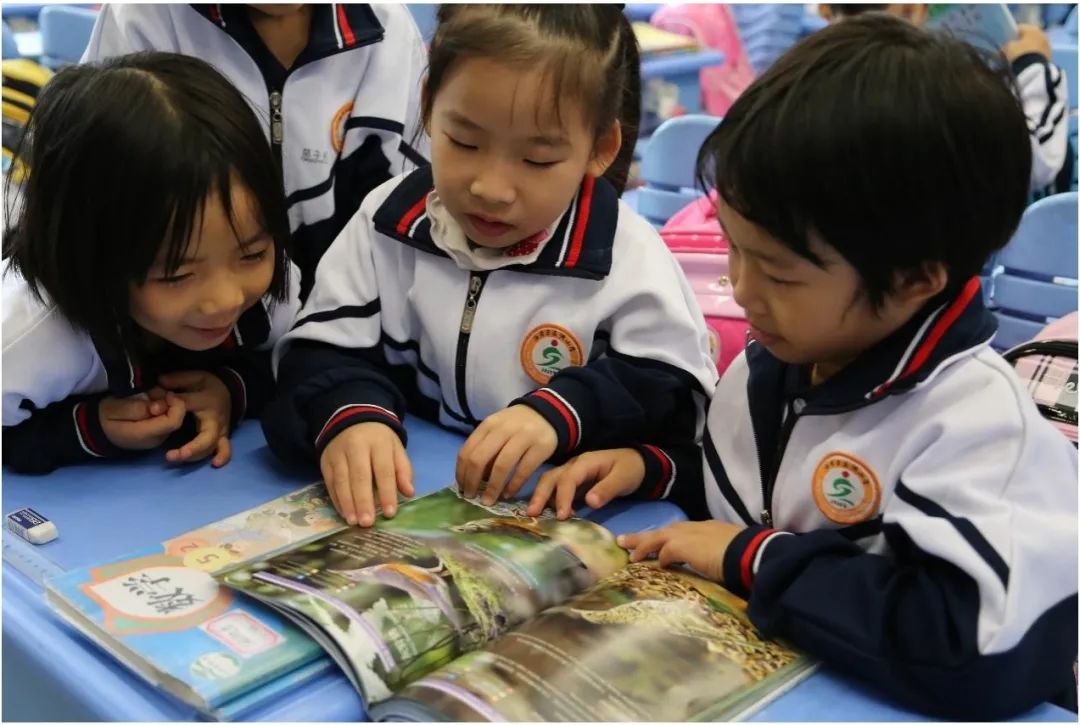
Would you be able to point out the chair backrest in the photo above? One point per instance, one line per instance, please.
(424, 15)
(11, 48)
(667, 166)
(1064, 57)
(1038, 281)
(65, 33)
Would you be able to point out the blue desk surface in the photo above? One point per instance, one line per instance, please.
(107, 510)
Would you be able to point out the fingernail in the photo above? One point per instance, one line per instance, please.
(366, 520)
(389, 511)
(620, 540)
(351, 519)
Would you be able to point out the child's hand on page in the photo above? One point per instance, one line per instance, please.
(700, 545)
(362, 459)
(610, 474)
(137, 423)
(1030, 39)
(515, 440)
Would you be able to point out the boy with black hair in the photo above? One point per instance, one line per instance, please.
(877, 481)
(1040, 84)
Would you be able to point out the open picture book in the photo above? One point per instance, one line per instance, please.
(161, 614)
(988, 26)
(457, 611)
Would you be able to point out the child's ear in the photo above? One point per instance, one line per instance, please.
(921, 283)
(605, 149)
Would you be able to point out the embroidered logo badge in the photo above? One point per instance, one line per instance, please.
(846, 489)
(337, 126)
(547, 349)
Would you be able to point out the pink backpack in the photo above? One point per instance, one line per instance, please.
(1047, 366)
(694, 236)
(713, 26)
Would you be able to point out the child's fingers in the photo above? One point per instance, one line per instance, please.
(607, 489)
(478, 460)
(564, 499)
(327, 470)
(199, 447)
(534, 457)
(128, 409)
(361, 485)
(643, 543)
(502, 465)
(671, 553)
(403, 468)
(342, 487)
(223, 454)
(466, 450)
(157, 393)
(382, 468)
(542, 493)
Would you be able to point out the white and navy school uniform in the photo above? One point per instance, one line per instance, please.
(341, 121)
(54, 376)
(1044, 94)
(591, 324)
(912, 521)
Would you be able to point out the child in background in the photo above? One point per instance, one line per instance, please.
(1040, 83)
(505, 291)
(337, 87)
(877, 481)
(146, 269)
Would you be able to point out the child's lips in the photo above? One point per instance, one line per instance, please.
(490, 227)
(765, 338)
(211, 333)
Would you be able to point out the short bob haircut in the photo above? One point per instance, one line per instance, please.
(122, 156)
(898, 146)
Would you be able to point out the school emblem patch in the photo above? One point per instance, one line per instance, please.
(846, 489)
(337, 126)
(547, 349)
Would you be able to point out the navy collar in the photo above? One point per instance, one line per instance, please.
(579, 247)
(130, 371)
(893, 366)
(335, 28)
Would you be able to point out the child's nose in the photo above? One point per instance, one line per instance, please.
(494, 185)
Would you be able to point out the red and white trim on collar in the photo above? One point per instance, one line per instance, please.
(928, 337)
(342, 30)
(574, 238)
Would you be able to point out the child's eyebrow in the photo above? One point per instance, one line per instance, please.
(463, 120)
(552, 141)
(256, 237)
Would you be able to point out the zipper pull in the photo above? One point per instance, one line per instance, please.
(277, 132)
(766, 518)
(475, 283)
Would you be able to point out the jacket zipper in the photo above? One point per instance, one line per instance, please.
(277, 126)
(768, 479)
(468, 313)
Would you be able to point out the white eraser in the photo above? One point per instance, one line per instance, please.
(32, 526)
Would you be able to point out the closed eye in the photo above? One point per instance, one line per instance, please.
(459, 144)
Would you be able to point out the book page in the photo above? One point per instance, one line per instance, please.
(441, 578)
(645, 644)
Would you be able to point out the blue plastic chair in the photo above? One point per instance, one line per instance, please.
(668, 165)
(1038, 282)
(11, 47)
(65, 33)
(768, 30)
(424, 15)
